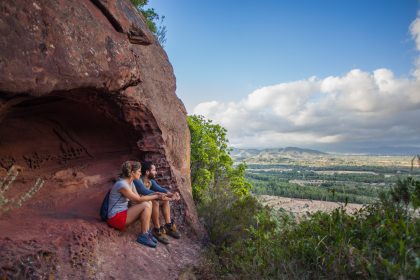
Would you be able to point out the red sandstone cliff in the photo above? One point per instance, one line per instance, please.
(84, 86)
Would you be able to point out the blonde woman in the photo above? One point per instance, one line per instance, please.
(120, 215)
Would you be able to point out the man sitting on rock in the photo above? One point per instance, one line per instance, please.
(146, 185)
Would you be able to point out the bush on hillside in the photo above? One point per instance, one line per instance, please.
(154, 20)
(380, 241)
(212, 168)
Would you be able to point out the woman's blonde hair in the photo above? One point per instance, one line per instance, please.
(128, 167)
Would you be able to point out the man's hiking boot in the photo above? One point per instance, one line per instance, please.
(160, 235)
(145, 239)
(171, 230)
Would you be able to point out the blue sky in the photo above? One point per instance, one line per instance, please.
(229, 54)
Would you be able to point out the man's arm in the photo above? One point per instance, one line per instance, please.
(132, 196)
(141, 189)
(155, 187)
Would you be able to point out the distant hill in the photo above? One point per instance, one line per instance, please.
(390, 151)
(269, 154)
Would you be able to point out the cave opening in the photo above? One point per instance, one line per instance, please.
(62, 143)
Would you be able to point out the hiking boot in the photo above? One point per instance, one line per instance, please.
(145, 239)
(171, 230)
(151, 236)
(160, 235)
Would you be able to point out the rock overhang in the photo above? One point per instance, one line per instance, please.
(84, 85)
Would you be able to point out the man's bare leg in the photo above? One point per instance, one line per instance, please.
(155, 214)
(158, 231)
(166, 210)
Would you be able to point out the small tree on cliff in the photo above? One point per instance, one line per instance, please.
(211, 165)
(154, 21)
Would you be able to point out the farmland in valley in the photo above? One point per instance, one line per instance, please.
(310, 174)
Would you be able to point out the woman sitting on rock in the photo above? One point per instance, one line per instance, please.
(120, 215)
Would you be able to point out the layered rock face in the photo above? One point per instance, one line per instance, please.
(84, 86)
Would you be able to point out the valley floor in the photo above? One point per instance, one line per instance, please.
(300, 207)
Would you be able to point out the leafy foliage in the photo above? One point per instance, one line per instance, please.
(211, 165)
(380, 241)
(153, 19)
(406, 192)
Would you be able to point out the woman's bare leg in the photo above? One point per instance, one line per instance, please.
(145, 217)
(143, 211)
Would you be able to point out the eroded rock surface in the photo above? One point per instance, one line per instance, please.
(84, 86)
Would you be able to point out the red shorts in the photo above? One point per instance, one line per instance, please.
(118, 221)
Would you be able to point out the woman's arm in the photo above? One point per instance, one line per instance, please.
(132, 196)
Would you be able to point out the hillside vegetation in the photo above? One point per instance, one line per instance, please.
(249, 241)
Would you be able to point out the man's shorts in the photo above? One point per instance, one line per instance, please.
(119, 220)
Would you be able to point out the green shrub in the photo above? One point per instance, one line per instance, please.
(211, 165)
(154, 20)
(380, 241)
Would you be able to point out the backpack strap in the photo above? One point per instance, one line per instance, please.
(115, 202)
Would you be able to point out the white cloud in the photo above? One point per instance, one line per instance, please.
(415, 30)
(283, 99)
(369, 108)
(415, 33)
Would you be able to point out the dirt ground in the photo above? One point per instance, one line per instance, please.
(300, 207)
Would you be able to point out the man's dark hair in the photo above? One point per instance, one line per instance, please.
(145, 166)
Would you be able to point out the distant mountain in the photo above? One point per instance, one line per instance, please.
(302, 151)
(269, 154)
(241, 154)
(390, 151)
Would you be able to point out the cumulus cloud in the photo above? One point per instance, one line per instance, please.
(354, 110)
(415, 32)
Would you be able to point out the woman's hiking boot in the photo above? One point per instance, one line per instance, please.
(171, 230)
(160, 235)
(151, 236)
(145, 239)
